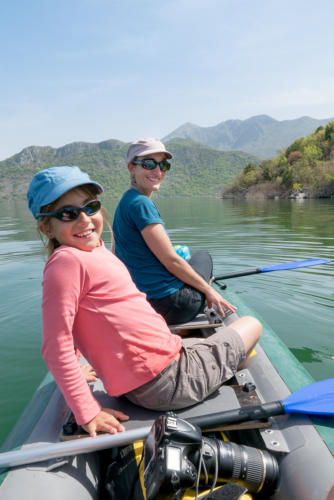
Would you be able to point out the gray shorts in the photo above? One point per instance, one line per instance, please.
(205, 364)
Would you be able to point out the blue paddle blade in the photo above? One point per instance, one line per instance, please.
(315, 399)
(294, 265)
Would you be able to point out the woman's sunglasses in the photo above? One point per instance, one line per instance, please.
(151, 164)
(67, 214)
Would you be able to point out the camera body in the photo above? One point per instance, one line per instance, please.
(175, 449)
(166, 455)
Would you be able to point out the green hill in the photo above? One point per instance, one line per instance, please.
(196, 169)
(306, 168)
(259, 135)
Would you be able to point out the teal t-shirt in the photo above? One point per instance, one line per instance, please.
(134, 212)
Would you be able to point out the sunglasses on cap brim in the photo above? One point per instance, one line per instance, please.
(68, 214)
(151, 164)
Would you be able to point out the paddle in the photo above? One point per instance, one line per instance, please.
(313, 399)
(284, 266)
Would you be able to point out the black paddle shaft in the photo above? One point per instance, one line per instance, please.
(239, 415)
(237, 274)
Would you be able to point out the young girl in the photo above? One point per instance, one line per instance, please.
(91, 306)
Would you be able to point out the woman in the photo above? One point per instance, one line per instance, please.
(175, 288)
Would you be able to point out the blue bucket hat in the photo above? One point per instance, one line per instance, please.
(49, 184)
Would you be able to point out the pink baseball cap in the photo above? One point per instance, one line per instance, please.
(145, 147)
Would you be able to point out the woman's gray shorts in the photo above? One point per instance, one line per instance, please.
(205, 364)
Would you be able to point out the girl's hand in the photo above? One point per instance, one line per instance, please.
(214, 297)
(89, 372)
(106, 421)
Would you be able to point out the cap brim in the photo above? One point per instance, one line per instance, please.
(152, 152)
(63, 188)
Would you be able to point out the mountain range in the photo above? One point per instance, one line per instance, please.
(205, 158)
(260, 135)
(197, 169)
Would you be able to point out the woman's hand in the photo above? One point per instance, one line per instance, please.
(106, 421)
(214, 297)
(159, 243)
(89, 372)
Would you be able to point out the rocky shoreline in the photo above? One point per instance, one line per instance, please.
(269, 191)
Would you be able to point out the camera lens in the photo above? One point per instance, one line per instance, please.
(253, 468)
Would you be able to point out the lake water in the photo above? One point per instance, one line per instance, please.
(298, 305)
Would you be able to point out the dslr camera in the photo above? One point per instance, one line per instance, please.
(176, 454)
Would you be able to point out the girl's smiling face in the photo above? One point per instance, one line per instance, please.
(147, 181)
(84, 232)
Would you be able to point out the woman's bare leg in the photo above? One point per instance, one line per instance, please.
(250, 331)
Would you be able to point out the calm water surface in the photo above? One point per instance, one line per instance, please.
(298, 305)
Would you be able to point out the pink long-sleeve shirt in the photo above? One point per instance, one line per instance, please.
(91, 304)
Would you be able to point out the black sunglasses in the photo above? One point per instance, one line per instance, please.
(151, 164)
(67, 214)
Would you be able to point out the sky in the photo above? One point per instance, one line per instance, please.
(92, 70)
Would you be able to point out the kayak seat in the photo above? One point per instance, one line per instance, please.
(199, 322)
(205, 323)
(229, 396)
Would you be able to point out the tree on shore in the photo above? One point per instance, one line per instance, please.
(306, 165)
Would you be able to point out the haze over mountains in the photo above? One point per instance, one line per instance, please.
(259, 135)
(205, 158)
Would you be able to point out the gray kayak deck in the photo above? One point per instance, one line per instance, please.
(301, 452)
(306, 463)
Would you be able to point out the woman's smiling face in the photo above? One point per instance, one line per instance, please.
(147, 181)
(84, 232)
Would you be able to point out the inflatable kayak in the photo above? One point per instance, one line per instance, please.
(281, 456)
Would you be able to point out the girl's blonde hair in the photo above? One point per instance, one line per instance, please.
(51, 243)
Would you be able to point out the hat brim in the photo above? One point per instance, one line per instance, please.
(62, 188)
(152, 152)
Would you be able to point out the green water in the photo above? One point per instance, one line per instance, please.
(298, 305)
